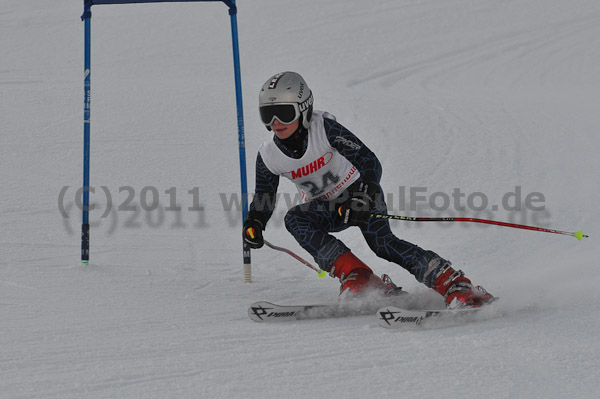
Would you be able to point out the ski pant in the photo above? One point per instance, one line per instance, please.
(310, 224)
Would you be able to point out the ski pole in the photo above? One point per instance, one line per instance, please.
(320, 273)
(579, 234)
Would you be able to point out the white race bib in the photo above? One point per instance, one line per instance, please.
(321, 173)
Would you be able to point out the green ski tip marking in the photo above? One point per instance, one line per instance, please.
(321, 273)
(578, 235)
(85, 261)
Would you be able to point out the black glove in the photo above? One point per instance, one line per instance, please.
(253, 232)
(357, 208)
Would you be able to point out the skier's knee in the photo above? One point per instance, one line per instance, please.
(381, 246)
(292, 221)
(289, 220)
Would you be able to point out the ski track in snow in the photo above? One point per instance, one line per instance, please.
(481, 95)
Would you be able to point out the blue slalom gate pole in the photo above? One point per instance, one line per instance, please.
(86, 17)
(241, 135)
(85, 222)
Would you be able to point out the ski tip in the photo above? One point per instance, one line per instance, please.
(321, 273)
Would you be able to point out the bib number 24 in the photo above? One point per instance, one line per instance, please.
(315, 190)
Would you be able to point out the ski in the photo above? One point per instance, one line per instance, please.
(269, 312)
(394, 317)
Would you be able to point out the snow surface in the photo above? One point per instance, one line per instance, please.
(481, 95)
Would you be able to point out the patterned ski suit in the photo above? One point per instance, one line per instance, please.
(333, 158)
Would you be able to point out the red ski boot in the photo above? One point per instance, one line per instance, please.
(356, 277)
(458, 290)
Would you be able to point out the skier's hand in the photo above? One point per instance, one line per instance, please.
(357, 208)
(253, 233)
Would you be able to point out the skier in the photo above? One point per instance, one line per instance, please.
(338, 178)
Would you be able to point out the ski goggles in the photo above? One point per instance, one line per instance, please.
(285, 113)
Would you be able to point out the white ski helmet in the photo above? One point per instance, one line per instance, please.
(285, 97)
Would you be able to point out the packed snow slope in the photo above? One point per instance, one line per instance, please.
(498, 99)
